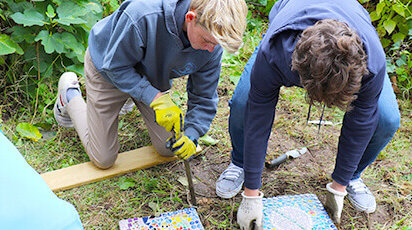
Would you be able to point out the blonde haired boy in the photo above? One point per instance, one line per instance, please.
(136, 52)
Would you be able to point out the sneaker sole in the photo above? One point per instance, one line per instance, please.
(360, 207)
(62, 120)
(228, 195)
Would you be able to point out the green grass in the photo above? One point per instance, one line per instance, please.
(102, 204)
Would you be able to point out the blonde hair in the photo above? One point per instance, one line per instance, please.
(225, 20)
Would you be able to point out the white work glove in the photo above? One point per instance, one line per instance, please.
(334, 201)
(250, 212)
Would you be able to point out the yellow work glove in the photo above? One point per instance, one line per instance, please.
(184, 147)
(168, 114)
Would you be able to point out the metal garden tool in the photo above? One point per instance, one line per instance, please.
(186, 163)
(295, 153)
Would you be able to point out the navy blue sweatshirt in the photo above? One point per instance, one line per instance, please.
(272, 69)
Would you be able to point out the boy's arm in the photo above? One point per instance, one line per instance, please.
(202, 97)
(126, 50)
(358, 127)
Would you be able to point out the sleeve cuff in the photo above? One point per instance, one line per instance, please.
(252, 180)
(148, 94)
(192, 134)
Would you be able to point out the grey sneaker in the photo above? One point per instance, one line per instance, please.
(230, 182)
(67, 81)
(360, 196)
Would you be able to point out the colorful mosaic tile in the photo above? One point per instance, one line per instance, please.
(186, 219)
(295, 212)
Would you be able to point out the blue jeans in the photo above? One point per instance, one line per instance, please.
(389, 120)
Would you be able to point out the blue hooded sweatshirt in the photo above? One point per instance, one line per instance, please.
(272, 69)
(141, 47)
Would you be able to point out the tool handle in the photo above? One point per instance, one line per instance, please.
(277, 161)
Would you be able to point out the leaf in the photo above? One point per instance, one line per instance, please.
(389, 25)
(28, 131)
(51, 43)
(234, 79)
(208, 140)
(398, 8)
(78, 69)
(70, 9)
(71, 42)
(263, 2)
(385, 42)
(94, 7)
(379, 8)
(398, 37)
(8, 46)
(20, 33)
(70, 20)
(30, 18)
(183, 181)
(50, 11)
(127, 183)
(374, 16)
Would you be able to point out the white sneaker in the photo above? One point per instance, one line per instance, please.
(360, 196)
(67, 81)
(230, 182)
(127, 107)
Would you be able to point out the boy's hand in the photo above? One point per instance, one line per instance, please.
(334, 201)
(250, 212)
(184, 147)
(168, 114)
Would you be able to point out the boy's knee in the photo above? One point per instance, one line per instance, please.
(391, 124)
(163, 151)
(103, 161)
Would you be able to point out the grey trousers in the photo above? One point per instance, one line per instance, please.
(97, 121)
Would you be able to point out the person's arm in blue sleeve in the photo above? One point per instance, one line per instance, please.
(202, 97)
(358, 127)
(259, 116)
(126, 50)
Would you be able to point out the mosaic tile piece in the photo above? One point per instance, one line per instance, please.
(185, 219)
(295, 212)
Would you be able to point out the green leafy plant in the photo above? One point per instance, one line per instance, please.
(52, 33)
(393, 22)
(40, 40)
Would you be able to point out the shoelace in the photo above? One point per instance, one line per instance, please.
(233, 172)
(359, 187)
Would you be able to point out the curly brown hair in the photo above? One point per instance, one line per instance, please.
(331, 62)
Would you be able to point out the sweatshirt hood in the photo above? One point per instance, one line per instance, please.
(175, 10)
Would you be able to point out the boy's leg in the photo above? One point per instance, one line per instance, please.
(237, 106)
(158, 134)
(389, 122)
(389, 119)
(97, 123)
(231, 180)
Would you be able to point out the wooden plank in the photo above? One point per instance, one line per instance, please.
(85, 173)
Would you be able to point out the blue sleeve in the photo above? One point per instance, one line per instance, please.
(26, 202)
(202, 97)
(359, 124)
(125, 50)
(259, 116)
